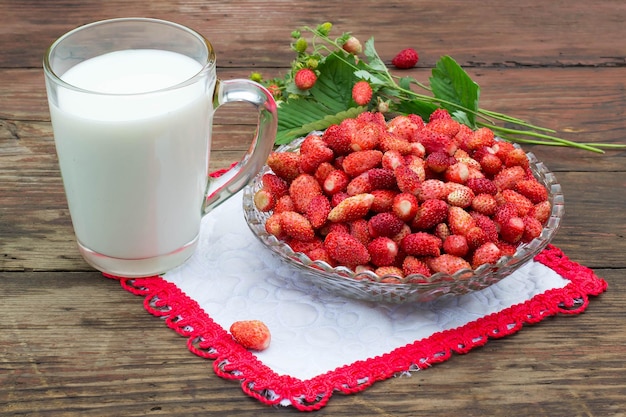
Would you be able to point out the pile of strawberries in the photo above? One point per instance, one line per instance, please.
(403, 197)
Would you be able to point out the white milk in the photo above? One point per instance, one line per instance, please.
(134, 167)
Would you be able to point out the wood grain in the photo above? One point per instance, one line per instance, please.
(73, 343)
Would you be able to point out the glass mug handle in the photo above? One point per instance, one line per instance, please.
(223, 187)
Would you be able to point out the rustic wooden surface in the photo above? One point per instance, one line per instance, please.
(75, 344)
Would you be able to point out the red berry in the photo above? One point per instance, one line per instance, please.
(346, 249)
(487, 253)
(362, 93)
(384, 224)
(296, 226)
(405, 59)
(448, 264)
(383, 251)
(351, 208)
(251, 334)
(305, 79)
(421, 244)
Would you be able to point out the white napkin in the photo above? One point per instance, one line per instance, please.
(234, 277)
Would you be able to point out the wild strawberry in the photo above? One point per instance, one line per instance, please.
(501, 149)
(285, 203)
(362, 93)
(302, 190)
(391, 274)
(429, 214)
(284, 164)
(476, 237)
(421, 244)
(405, 206)
(442, 231)
(405, 59)
(274, 184)
(318, 210)
(322, 171)
(486, 225)
(384, 224)
(433, 189)
(522, 204)
(346, 249)
(351, 208)
(392, 159)
(487, 253)
(305, 79)
(352, 46)
(485, 204)
(459, 221)
(275, 90)
(490, 164)
(414, 266)
(508, 177)
(372, 117)
(336, 139)
(458, 173)
(383, 200)
(439, 161)
(314, 154)
(407, 179)
(461, 197)
(304, 246)
(532, 189)
(504, 212)
(482, 186)
(359, 229)
(383, 251)
(366, 137)
(456, 245)
(448, 127)
(416, 164)
(480, 137)
(335, 182)
(516, 157)
(404, 232)
(359, 185)
(541, 211)
(273, 227)
(532, 228)
(439, 114)
(251, 334)
(296, 226)
(506, 248)
(264, 200)
(390, 142)
(434, 141)
(448, 264)
(320, 254)
(405, 127)
(512, 230)
(381, 178)
(337, 228)
(358, 162)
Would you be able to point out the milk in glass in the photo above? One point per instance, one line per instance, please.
(147, 203)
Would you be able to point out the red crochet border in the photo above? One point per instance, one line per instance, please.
(207, 339)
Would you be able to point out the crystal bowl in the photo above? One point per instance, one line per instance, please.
(371, 287)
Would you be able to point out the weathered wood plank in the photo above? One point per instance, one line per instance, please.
(488, 33)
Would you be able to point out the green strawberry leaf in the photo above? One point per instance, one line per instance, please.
(373, 59)
(449, 82)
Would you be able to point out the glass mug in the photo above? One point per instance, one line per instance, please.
(131, 102)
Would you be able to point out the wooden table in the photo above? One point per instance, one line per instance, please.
(74, 343)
